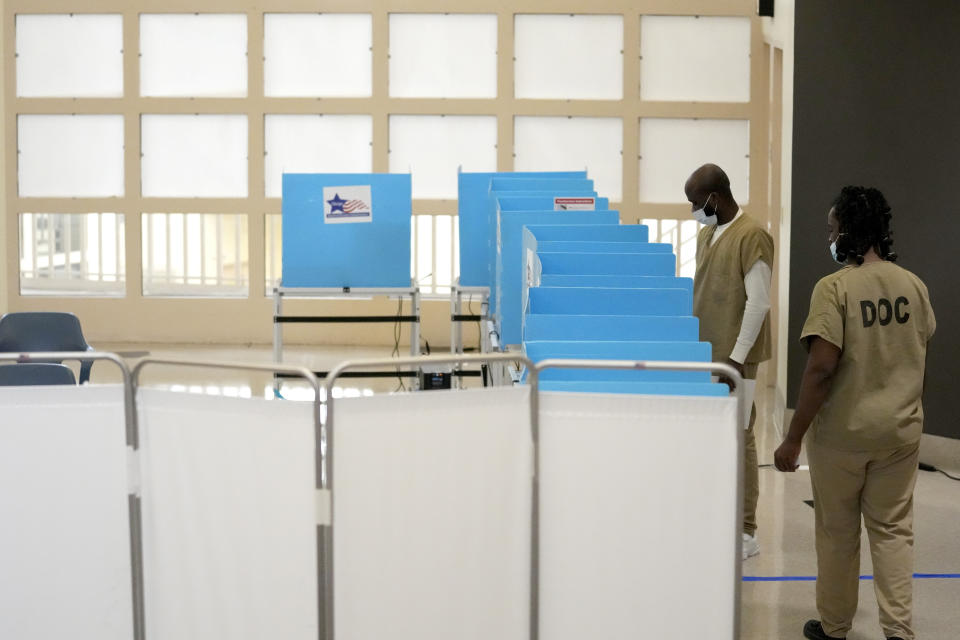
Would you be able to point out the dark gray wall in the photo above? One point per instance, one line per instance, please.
(877, 103)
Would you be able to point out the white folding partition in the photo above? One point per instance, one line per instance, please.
(65, 563)
(639, 516)
(437, 529)
(432, 516)
(230, 529)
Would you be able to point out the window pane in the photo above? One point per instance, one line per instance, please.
(433, 254)
(199, 156)
(318, 55)
(672, 148)
(577, 57)
(687, 58)
(72, 254)
(195, 254)
(569, 144)
(433, 147)
(70, 56)
(316, 144)
(190, 55)
(443, 56)
(70, 156)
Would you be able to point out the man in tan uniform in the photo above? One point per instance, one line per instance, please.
(731, 297)
(867, 333)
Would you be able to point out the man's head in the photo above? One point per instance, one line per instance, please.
(708, 188)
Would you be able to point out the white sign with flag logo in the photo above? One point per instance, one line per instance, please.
(347, 204)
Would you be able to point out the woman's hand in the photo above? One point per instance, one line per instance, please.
(786, 456)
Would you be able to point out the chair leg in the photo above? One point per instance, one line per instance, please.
(85, 366)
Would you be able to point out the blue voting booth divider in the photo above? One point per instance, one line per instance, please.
(575, 326)
(621, 350)
(627, 282)
(341, 230)
(590, 246)
(512, 261)
(595, 233)
(598, 253)
(503, 196)
(626, 264)
(475, 219)
(610, 301)
(527, 202)
(605, 301)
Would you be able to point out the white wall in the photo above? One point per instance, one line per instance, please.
(779, 31)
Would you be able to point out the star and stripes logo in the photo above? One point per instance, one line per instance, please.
(347, 204)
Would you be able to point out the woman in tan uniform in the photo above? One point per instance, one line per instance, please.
(866, 333)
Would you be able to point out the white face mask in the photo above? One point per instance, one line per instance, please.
(700, 215)
(833, 252)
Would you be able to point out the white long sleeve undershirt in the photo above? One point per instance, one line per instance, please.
(757, 284)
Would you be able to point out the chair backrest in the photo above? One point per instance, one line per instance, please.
(41, 331)
(35, 373)
(27, 331)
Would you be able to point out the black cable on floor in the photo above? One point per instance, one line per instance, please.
(929, 467)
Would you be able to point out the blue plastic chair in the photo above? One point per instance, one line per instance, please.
(31, 331)
(35, 373)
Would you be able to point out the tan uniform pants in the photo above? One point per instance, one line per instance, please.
(751, 477)
(879, 485)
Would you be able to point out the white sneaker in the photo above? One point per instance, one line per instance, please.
(750, 546)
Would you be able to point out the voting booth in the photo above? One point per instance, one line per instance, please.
(341, 230)
(340, 233)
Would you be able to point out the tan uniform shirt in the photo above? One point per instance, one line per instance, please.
(879, 315)
(719, 295)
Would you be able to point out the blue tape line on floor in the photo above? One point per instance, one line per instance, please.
(917, 576)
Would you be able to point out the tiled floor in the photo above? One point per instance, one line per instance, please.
(770, 609)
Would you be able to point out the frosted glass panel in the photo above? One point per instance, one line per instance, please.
(70, 56)
(671, 149)
(562, 144)
(705, 59)
(309, 55)
(70, 156)
(572, 57)
(443, 56)
(316, 144)
(432, 147)
(193, 55)
(201, 156)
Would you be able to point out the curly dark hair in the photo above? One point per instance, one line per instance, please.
(864, 217)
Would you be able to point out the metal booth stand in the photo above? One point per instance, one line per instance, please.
(413, 319)
(457, 318)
